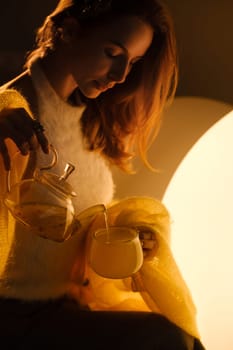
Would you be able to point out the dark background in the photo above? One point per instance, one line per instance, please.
(204, 32)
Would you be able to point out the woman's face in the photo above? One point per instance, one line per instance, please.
(103, 56)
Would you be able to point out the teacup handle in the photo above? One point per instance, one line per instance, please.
(51, 165)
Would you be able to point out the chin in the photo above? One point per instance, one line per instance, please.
(93, 95)
(90, 94)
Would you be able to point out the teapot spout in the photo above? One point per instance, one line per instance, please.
(85, 217)
(82, 221)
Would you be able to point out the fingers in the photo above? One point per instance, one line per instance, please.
(26, 133)
(5, 155)
(148, 241)
(146, 244)
(8, 129)
(32, 132)
(39, 131)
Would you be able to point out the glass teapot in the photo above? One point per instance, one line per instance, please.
(44, 202)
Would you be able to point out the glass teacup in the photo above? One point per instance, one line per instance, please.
(116, 252)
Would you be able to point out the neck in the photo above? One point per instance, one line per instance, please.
(59, 76)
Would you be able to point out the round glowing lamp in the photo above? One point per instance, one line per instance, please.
(199, 197)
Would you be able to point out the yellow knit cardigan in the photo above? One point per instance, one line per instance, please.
(157, 287)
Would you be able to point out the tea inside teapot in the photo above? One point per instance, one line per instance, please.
(44, 202)
(47, 221)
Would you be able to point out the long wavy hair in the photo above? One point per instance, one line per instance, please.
(123, 121)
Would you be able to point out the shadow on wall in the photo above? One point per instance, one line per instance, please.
(185, 121)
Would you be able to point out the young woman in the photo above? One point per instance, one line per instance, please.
(94, 87)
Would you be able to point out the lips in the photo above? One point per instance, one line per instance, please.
(103, 86)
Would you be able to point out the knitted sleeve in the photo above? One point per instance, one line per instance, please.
(9, 98)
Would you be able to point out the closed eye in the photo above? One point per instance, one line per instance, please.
(135, 60)
(110, 52)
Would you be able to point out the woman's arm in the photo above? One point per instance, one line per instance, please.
(17, 122)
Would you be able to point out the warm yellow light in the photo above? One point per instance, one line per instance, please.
(200, 200)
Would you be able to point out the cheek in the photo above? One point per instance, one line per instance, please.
(101, 66)
(94, 62)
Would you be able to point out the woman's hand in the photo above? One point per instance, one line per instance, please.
(149, 247)
(148, 242)
(25, 132)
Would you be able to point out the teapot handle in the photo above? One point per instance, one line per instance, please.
(54, 160)
(51, 165)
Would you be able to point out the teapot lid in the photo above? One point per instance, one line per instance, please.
(58, 182)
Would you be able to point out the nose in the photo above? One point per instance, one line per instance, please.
(119, 72)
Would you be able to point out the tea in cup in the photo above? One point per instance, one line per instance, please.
(116, 252)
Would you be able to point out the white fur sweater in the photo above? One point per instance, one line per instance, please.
(36, 268)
